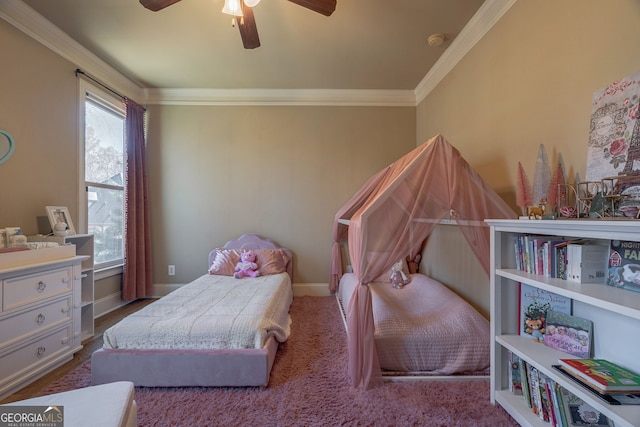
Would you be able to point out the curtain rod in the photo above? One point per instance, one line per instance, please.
(79, 71)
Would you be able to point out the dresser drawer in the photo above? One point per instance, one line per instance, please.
(21, 290)
(30, 357)
(20, 325)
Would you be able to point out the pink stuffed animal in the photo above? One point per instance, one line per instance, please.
(247, 266)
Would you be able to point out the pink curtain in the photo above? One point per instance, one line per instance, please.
(392, 215)
(137, 280)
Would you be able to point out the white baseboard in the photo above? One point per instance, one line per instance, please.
(311, 289)
(107, 304)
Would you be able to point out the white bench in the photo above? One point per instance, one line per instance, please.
(105, 405)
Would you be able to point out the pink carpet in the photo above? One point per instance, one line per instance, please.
(309, 386)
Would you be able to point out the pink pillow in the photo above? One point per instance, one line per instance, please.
(270, 261)
(225, 261)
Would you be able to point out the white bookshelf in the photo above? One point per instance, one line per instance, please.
(615, 314)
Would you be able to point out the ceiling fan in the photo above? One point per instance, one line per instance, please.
(243, 9)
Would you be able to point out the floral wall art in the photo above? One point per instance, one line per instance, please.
(614, 137)
(614, 144)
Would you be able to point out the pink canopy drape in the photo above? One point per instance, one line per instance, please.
(391, 216)
(137, 277)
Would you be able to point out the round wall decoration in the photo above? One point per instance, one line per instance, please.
(7, 146)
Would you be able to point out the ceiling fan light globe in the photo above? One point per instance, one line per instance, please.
(251, 3)
(232, 7)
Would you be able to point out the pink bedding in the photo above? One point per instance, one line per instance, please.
(424, 327)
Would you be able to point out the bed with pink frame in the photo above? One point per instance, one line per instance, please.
(206, 367)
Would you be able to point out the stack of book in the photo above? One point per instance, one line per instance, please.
(575, 260)
(549, 400)
(601, 376)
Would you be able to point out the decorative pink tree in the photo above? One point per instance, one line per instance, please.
(557, 195)
(523, 194)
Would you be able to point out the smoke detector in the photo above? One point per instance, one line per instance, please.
(435, 40)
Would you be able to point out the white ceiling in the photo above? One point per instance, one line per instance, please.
(374, 45)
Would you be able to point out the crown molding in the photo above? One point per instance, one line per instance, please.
(27, 20)
(484, 19)
(297, 97)
(23, 17)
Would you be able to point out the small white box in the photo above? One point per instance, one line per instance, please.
(587, 263)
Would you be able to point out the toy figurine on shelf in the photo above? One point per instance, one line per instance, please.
(537, 212)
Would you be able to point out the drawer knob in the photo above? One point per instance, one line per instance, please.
(65, 309)
(41, 351)
(40, 319)
(65, 340)
(41, 286)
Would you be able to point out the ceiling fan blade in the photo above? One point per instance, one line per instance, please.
(156, 5)
(325, 7)
(248, 28)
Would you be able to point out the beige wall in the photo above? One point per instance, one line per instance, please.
(448, 258)
(215, 172)
(38, 107)
(281, 172)
(529, 81)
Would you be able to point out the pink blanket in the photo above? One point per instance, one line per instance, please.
(424, 327)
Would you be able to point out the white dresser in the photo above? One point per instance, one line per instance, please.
(39, 318)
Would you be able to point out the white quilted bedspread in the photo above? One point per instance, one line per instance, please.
(425, 327)
(212, 312)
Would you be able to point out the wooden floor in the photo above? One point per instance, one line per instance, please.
(89, 346)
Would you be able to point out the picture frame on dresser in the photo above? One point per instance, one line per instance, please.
(614, 312)
(58, 214)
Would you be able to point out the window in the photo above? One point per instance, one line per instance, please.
(104, 159)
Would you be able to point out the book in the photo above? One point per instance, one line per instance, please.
(544, 412)
(525, 252)
(587, 263)
(515, 380)
(624, 265)
(551, 257)
(526, 389)
(534, 304)
(534, 385)
(549, 383)
(603, 375)
(560, 262)
(553, 409)
(561, 419)
(610, 398)
(571, 334)
(539, 254)
(580, 413)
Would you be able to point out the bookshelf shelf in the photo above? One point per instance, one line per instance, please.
(608, 297)
(615, 314)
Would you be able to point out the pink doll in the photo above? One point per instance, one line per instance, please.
(247, 266)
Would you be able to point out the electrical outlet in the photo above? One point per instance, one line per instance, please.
(172, 270)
